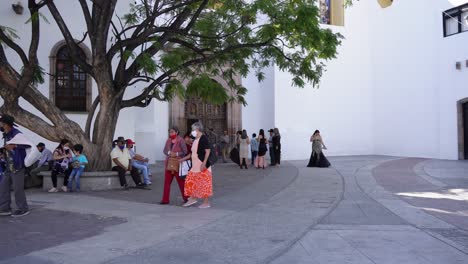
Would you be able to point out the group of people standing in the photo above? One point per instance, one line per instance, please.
(259, 146)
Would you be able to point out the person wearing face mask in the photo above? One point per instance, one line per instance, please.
(62, 156)
(15, 155)
(44, 160)
(122, 162)
(199, 181)
(175, 147)
(139, 162)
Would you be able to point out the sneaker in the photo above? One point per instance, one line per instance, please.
(189, 203)
(64, 189)
(125, 187)
(149, 183)
(5, 213)
(53, 190)
(204, 206)
(19, 213)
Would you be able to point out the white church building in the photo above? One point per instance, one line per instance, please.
(399, 85)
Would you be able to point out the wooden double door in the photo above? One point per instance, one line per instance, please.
(211, 116)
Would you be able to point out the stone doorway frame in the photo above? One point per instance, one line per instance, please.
(233, 109)
(461, 129)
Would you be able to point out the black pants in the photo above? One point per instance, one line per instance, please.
(134, 173)
(277, 150)
(254, 155)
(272, 155)
(58, 170)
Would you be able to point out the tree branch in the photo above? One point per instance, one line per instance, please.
(136, 101)
(32, 122)
(89, 120)
(75, 50)
(10, 43)
(88, 19)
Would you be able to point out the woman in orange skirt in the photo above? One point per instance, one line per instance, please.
(199, 184)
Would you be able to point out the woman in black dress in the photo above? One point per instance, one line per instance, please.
(276, 147)
(317, 158)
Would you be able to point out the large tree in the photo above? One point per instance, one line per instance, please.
(157, 44)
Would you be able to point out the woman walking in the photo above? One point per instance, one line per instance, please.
(175, 149)
(277, 147)
(317, 158)
(199, 181)
(262, 150)
(244, 143)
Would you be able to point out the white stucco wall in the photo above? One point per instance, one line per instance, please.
(415, 83)
(340, 108)
(260, 111)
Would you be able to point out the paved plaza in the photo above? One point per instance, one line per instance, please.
(364, 209)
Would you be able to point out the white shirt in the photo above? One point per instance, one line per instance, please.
(122, 155)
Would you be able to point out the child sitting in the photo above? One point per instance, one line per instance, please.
(78, 163)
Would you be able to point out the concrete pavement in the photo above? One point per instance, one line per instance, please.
(373, 224)
(365, 209)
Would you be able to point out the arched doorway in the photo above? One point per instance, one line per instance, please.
(227, 116)
(463, 129)
(211, 116)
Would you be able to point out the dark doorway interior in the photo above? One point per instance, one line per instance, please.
(211, 116)
(465, 128)
(189, 124)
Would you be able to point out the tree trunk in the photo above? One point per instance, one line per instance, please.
(96, 150)
(105, 123)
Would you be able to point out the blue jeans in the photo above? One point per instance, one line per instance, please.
(144, 170)
(75, 174)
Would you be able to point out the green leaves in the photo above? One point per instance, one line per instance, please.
(207, 89)
(35, 18)
(146, 63)
(38, 75)
(231, 39)
(9, 32)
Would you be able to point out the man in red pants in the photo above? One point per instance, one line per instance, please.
(175, 148)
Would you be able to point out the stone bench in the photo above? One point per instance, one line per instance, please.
(90, 181)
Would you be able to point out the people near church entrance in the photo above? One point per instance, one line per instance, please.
(213, 139)
(122, 162)
(262, 150)
(270, 147)
(234, 153)
(79, 162)
(238, 136)
(186, 162)
(224, 145)
(317, 158)
(45, 162)
(62, 157)
(139, 162)
(199, 181)
(14, 155)
(254, 148)
(174, 149)
(244, 143)
(276, 146)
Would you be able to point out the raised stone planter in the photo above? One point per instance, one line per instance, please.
(90, 181)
